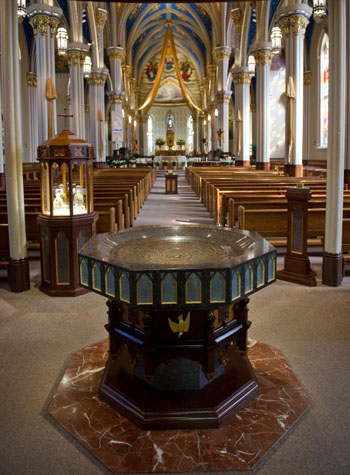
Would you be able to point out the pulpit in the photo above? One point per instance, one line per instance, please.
(178, 320)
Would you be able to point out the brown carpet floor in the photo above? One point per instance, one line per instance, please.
(38, 334)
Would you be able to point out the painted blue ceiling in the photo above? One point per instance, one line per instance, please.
(308, 32)
(28, 31)
(273, 7)
(64, 5)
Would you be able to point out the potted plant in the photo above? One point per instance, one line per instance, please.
(189, 163)
(165, 164)
(159, 142)
(181, 143)
(174, 163)
(156, 164)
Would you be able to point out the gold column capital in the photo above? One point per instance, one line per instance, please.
(115, 53)
(32, 79)
(40, 24)
(96, 78)
(221, 53)
(236, 15)
(53, 23)
(100, 17)
(262, 57)
(293, 24)
(307, 78)
(76, 57)
(241, 77)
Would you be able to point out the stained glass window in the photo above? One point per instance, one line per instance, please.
(324, 87)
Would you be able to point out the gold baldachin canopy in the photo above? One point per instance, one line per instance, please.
(153, 92)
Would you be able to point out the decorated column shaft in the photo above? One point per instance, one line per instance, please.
(196, 147)
(241, 79)
(307, 117)
(76, 56)
(96, 81)
(33, 115)
(143, 145)
(293, 21)
(332, 257)
(44, 20)
(18, 269)
(263, 57)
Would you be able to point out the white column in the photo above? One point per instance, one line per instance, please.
(211, 83)
(33, 116)
(10, 69)
(293, 21)
(332, 257)
(263, 56)
(307, 117)
(116, 54)
(222, 97)
(209, 133)
(241, 79)
(76, 56)
(101, 18)
(1, 144)
(195, 135)
(44, 20)
(347, 140)
(96, 81)
(223, 102)
(200, 133)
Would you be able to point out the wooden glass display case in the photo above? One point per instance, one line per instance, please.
(67, 218)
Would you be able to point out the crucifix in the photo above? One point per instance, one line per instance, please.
(220, 133)
(65, 115)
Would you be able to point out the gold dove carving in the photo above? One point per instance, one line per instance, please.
(182, 326)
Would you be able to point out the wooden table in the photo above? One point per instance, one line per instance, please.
(171, 183)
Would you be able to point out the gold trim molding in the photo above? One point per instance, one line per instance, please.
(96, 79)
(222, 53)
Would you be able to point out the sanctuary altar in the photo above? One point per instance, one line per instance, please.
(179, 159)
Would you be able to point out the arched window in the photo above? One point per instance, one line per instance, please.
(324, 87)
(190, 134)
(150, 135)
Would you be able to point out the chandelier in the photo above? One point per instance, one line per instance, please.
(87, 65)
(276, 39)
(21, 8)
(62, 40)
(319, 9)
(251, 65)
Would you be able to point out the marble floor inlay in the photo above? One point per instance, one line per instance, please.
(122, 447)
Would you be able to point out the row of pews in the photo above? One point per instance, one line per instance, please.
(118, 197)
(255, 200)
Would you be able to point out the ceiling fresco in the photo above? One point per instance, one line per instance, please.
(169, 90)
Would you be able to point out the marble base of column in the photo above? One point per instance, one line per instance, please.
(263, 166)
(18, 275)
(332, 269)
(242, 163)
(347, 177)
(293, 170)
